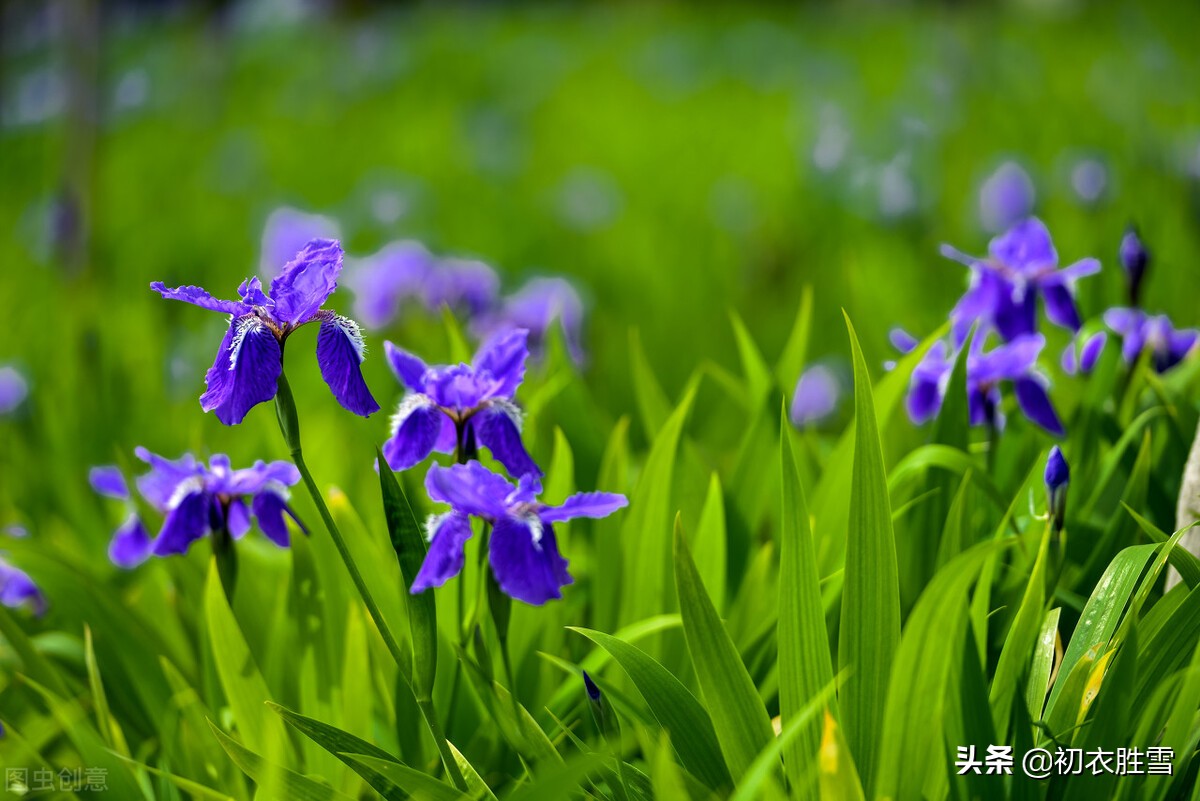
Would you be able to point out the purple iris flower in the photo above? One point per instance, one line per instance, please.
(1140, 331)
(1135, 258)
(462, 284)
(816, 396)
(197, 499)
(13, 389)
(17, 589)
(250, 359)
(384, 280)
(1014, 362)
(522, 549)
(535, 307)
(1022, 265)
(286, 232)
(461, 406)
(1006, 197)
(1082, 358)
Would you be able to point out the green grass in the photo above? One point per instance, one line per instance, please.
(890, 592)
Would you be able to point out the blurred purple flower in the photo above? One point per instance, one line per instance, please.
(1021, 266)
(522, 549)
(381, 282)
(13, 389)
(1089, 179)
(17, 589)
(1135, 258)
(197, 499)
(1140, 331)
(816, 396)
(1006, 197)
(287, 231)
(471, 286)
(535, 307)
(1014, 362)
(250, 359)
(450, 408)
(1082, 359)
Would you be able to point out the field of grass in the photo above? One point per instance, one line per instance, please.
(738, 193)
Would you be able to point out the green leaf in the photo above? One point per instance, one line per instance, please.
(709, 544)
(340, 743)
(1181, 559)
(560, 781)
(277, 781)
(911, 737)
(1102, 611)
(653, 405)
(1177, 734)
(795, 352)
(805, 665)
(673, 705)
(646, 533)
(739, 717)
(870, 622)
(414, 782)
(410, 548)
(758, 373)
(1043, 664)
(239, 675)
(837, 777)
(1021, 639)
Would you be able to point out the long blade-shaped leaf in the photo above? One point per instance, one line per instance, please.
(741, 721)
(805, 665)
(870, 625)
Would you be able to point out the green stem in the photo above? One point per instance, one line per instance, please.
(226, 558)
(289, 424)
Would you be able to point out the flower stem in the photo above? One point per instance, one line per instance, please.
(226, 558)
(289, 424)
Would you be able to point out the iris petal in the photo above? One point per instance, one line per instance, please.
(251, 371)
(187, 522)
(584, 504)
(469, 488)
(109, 482)
(407, 367)
(269, 508)
(307, 281)
(340, 354)
(524, 557)
(1035, 403)
(415, 430)
(198, 296)
(444, 560)
(503, 355)
(497, 427)
(1060, 306)
(130, 544)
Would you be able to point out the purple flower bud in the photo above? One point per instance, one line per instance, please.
(1135, 258)
(1058, 476)
(592, 690)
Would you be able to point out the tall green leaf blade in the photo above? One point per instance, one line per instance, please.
(795, 352)
(910, 739)
(805, 665)
(870, 620)
(741, 722)
(673, 705)
(410, 548)
(709, 543)
(417, 784)
(280, 782)
(1043, 664)
(1021, 640)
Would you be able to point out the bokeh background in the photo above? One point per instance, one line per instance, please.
(675, 162)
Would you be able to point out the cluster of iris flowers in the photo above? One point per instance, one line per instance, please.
(454, 409)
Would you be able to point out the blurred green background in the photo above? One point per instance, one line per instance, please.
(677, 162)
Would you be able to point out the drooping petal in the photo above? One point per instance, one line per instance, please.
(524, 557)
(269, 508)
(198, 296)
(407, 367)
(1060, 306)
(109, 481)
(498, 428)
(1035, 403)
(252, 373)
(1092, 350)
(584, 504)
(340, 352)
(1015, 313)
(307, 281)
(448, 533)
(415, 428)
(503, 355)
(160, 485)
(924, 401)
(186, 522)
(469, 488)
(1179, 344)
(218, 381)
(1009, 361)
(237, 519)
(131, 543)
